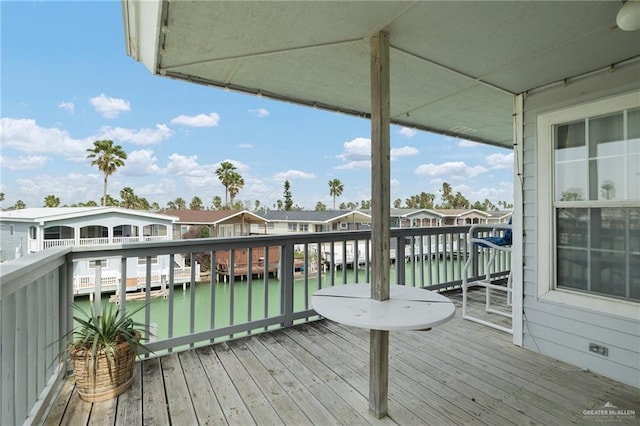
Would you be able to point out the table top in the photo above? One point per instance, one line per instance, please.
(408, 308)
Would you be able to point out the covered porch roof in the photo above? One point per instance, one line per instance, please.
(455, 65)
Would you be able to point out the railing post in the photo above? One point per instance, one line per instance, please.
(400, 265)
(286, 283)
(97, 289)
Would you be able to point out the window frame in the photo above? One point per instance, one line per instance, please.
(547, 238)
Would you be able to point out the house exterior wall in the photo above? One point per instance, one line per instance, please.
(14, 240)
(560, 330)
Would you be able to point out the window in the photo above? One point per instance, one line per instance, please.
(304, 227)
(292, 227)
(594, 198)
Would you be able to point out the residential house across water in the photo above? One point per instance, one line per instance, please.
(34, 229)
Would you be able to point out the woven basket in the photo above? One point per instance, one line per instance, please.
(104, 383)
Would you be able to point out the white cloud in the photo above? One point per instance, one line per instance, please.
(358, 149)
(293, 174)
(182, 164)
(357, 153)
(260, 112)
(362, 164)
(26, 136)
(141, 163)
(403, 152)
(449, 170)
(163, 187)
(31, 162)
(109, 107)
(500, 161)
(240, 166)
(68, 106)
(200, 120)
(467, 144)
(408, 132)
(245, 145)
(138, 137)
(70, 188)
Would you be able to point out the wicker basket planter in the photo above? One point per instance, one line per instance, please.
(97, 378)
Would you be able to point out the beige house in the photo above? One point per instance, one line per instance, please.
(221, 223)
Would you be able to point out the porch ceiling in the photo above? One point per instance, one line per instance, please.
(454, 65)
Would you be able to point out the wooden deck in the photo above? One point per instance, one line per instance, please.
(317, 373)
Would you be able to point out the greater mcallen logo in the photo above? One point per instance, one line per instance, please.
(609, 412)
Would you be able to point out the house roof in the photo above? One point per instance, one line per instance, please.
(459, 212)
(500, 214)
(39, 214)
(455, 65)
(313, 216)
(214, 217)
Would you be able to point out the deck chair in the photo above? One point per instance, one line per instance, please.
(499, 240)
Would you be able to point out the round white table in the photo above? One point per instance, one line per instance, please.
(408, 308)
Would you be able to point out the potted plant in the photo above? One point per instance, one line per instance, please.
(103, 352)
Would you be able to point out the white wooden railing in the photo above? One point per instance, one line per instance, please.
(47, 244)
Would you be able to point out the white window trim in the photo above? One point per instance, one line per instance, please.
(546, 240)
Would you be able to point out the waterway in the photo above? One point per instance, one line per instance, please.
(259, 299)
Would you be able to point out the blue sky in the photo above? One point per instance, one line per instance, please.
(67, 81)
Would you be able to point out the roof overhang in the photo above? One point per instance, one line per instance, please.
(455, 66)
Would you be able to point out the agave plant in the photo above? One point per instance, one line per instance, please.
(103, 333)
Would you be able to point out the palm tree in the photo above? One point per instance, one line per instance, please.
(180, 203)
(236, 182)
(108, 157)
(225, 173)
(196, 203)
(19, 205)
(51, 201)
(335, 189)
(129, 198)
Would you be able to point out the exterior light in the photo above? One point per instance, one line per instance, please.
(628, 18)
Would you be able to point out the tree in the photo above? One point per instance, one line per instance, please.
(572, 194)
(278, 205)
(1, 196)
(225, 174)
(608, 190)
(112, 201)
(504, 205)
(236, 182)
(320, 206)
(397, 203)
(19, 205)
(51, 201)
(288, 202)
(180, 203)
(196, 203)
(335, 190)
(447, 197)
(129, 199)
(217, 202)
(458, 201)
(365, 204)
(256, 205)
(108, 157)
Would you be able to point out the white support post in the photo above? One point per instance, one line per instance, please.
(517, 248)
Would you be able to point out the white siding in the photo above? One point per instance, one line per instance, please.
(558, 330)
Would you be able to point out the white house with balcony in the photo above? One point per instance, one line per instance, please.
(31, 230)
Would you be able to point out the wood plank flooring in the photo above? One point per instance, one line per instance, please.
(460, 373)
